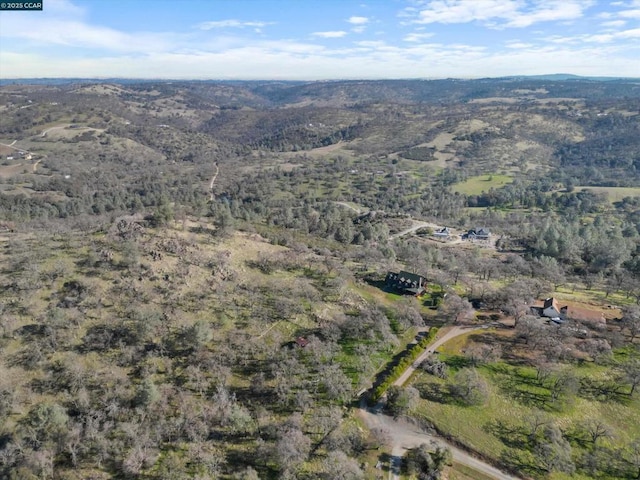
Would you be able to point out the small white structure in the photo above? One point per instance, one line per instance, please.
(442, 232)
(552, 309)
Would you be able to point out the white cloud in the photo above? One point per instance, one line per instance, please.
(359, 29)
(358, 20)
(372, 43)
(203, 52)
(74, 33)
(498, 13)
(632, 33)
(230, 24)
(417, 37)
(634, 13)
(463, 11)
(63, 7)
(556, 11)
(519, 45)
(291, 60)
(597, 38)
(331, 34)
(613, 23)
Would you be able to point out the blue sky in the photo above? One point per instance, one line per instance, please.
(320, 39)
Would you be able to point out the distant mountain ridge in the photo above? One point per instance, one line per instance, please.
(560, 77)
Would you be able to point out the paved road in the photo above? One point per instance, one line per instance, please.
(405, 435)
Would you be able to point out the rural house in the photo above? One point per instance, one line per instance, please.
(443, 232)
(406, 282)
(551, 310)
(478, 234)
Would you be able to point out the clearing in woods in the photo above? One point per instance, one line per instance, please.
(614, 194)
(481, 183)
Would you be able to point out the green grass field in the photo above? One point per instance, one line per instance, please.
(481, 183)
(463, 472)
(497, 426)
(615, 194)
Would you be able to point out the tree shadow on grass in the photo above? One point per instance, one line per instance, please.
(509, 348)
(458, 362)
(442, 394)
(522, 461)
(515, 383)
(512, 436)
(258, 461)
(435, 393)
(603, 391)
(531, 399)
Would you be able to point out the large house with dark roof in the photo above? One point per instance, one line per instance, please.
(477, 234)
(406, 282)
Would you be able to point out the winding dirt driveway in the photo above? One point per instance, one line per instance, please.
(418, 224)
(66, 125)
(405, 435)
(213, 180)
(11, 145)
(57, 127)
(350, 207)
(452, 333)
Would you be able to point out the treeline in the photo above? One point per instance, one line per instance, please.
(405, 360)
(542, 194)
(609, 155)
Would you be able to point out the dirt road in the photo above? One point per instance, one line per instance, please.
(405, 435)
(349, 206)
(454, 332)
(57, 127)
(61, 127)
(11, 145)
(213, 180)
(417, 225)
